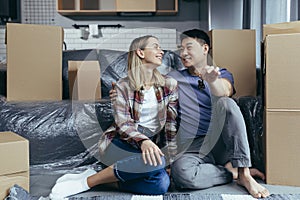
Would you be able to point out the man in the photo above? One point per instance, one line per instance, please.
(212, 132)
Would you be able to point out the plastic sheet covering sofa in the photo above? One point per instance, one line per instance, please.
(63, 134)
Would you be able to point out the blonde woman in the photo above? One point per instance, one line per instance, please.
(142, 142)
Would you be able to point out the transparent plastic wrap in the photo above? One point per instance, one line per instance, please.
(62, 134)
(116, 70)
(252, 110)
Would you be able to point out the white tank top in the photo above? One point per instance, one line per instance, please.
(149, 111)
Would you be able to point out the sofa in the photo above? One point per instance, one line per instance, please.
(63, 135)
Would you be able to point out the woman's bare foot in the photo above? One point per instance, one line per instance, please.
(246, 180)
(253, 172)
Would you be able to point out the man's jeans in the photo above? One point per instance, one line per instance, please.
(201, 165)
(134, 175)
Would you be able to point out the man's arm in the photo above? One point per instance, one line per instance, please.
(219, 86)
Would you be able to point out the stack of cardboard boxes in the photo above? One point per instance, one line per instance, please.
(235, 50)
(14, 156)
(34, 73)
(282, 103)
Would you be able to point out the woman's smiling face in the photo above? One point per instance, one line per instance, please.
(152, 52)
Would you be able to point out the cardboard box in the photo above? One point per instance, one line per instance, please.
(281, 28)
(282, 71)
(84, 80)
(14, 153)
(14, 156)
(34, 62)
(235, 50)
(282, 147)
(7, 181)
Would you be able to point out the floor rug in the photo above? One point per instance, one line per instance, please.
(18, 193)
(181, 196)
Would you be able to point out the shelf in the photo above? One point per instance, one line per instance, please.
(112, 7)
(87, 12)
(167, 5)
(136, 5)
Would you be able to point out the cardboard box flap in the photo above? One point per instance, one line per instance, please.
(281, 28)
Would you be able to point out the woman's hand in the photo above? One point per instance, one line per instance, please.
(168, 170)
(113, 92)
(151, 153)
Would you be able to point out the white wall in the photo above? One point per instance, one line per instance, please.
(119, 39)
(112, 38)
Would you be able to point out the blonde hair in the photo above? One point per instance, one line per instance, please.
(135, 75)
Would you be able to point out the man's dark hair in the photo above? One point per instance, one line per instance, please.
(197, 34)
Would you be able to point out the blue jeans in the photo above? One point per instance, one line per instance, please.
(135, 176)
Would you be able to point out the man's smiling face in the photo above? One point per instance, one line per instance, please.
(192, 52)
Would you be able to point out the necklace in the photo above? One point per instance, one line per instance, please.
(149, 84)
(201, 84)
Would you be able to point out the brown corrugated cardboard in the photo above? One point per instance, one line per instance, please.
(282, 71)
(84, 80)
(14, 157)
(281, 28)
(34, 62)
(282, 104)
(282, 147)
(7, 181)
(235, 50)
(14, 153)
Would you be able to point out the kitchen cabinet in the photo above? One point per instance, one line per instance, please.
(112, 7)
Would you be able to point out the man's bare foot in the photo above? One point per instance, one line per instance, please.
(246, 180)
(253, 172)
(234, 171)
(256, 173)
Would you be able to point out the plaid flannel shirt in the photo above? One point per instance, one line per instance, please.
(127, 107)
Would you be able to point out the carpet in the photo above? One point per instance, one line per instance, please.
(181, 196)
(18, 193)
